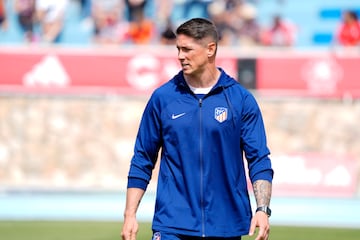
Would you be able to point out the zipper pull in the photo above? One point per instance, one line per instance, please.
(200, 102)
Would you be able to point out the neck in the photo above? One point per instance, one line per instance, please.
(207, 78)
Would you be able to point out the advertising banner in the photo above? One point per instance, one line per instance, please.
(140, 71)
(314, 175)
(95, 72)
(317, 75)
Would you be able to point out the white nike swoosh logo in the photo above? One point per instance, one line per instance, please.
(177, 116)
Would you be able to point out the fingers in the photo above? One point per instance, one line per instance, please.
(263, 233)
(129, 230)
(261, 222)
(133, 236)
(125, 236)
(128, 236)
(252, 227)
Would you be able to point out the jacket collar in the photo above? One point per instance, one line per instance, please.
(223, 82)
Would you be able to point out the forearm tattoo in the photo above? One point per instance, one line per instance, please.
(262, 192)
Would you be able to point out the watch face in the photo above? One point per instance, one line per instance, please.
(264, 209)
(268, 211)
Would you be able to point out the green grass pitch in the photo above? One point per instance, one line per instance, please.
(76, 230)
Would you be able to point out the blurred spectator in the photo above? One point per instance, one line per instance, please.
(281, 33)
(141, 29)
(135, 8)
(249, 30)
(219, 13)
(236, 22)
(168, 36)
(50, 14)
(109, 27)
(349, 32)
(163, 9)
(3, 22)
(25, 10)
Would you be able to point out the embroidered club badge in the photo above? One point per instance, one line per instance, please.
(157, 236)
(221, 114)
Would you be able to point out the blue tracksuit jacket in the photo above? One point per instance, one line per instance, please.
(202, 188)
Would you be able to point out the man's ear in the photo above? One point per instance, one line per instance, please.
(211, 49)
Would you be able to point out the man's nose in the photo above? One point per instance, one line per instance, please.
(181, 55)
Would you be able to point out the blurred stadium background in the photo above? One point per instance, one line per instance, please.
(69, 113)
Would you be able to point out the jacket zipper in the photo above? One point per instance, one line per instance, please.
(201, 174)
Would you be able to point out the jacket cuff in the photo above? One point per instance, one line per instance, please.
(137, 183)
(263, 175)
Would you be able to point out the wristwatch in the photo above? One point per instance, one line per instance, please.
(264, 209)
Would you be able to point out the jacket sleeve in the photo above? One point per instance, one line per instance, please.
(146, 148)
(254, 141)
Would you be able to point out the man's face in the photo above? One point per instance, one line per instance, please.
(192, 54)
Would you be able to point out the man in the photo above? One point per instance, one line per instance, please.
(203, 121)
(51, 17)
(3, 20)
(282, 33)
(349, 31)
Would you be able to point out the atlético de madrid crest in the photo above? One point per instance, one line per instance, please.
(157, 236)
(221, 114)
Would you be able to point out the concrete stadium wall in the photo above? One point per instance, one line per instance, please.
(87, 142)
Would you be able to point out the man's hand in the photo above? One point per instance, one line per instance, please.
(130, 228)
(260, 220)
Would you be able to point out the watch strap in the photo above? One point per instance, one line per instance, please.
(264, 209)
